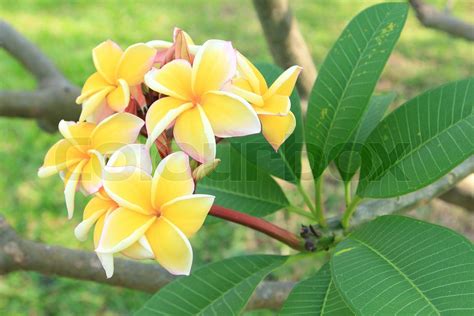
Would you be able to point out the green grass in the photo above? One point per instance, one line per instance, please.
(67, 31)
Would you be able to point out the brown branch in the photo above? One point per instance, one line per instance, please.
(430, 17)
(461, 195)
(17, 254)
(285, 41)
(55, 97)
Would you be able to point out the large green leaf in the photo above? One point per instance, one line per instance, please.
(239, 185)
(286, 162)
(316, 296)
(396, 265)
(348, 161)
(347, 80)
(221, 288)
(419, 142)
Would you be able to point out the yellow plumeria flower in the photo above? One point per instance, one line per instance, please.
(118, 74)
(95, 213)
(101, 206)
(271, 104)
(161, 208)
(80, 155)
(196, 103)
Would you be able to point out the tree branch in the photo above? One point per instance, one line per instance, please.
(370, 209)
(430, 17)
(17, 254)
(285, 41)
(55, 98)
(461, 195)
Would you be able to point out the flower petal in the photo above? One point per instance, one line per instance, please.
(122, 228)
(173, 79)
(93, 84)
(170, 247)
(275, 105)
(130, 187)
(106, 57)
(172, 179)
(60, 156)
(91, 104)
(193, 134)
(135, 62)
(161, 114)
(229, 114)
(91, 177)
(119, 98)
(133, 155)
(139, 250)
(116, 131)
(214, 64)
(188, 212)
(96, 208)
(71, 180)
(242, 88)
(255, 79)
(277, 129)
(285, 82)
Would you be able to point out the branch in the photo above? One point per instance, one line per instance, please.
(20, 254)
(260, 225)
(55, 98)
(373, 208)
(461, 195)
(285, 41)
(443, 21)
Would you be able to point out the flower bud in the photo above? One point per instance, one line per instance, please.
(205, 169)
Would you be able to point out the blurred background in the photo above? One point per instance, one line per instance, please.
(67, 31)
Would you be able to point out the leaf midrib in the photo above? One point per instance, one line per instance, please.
(350, 81)
(399, 271)
(423, 144)
(238, 284)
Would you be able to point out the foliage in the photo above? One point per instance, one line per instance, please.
(52, 203)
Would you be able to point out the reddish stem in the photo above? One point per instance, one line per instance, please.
(259, 224)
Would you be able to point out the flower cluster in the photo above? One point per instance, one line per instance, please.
(192, 94)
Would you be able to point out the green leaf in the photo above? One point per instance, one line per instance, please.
(348, 161)
(347, 80)
(396, 265)
(419, 142)
(239, 185)
(316, 296)
(221, 288)
(286, 163)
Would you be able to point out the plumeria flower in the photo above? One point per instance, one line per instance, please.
(119, 75)
(196, 104)
(271, 104)
(95, 214)
(80, 155)
(101, 206)
(162, 208)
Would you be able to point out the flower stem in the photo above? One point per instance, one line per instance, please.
(346, 218)
(305, 196)
(300, 211)
(319, 210)
(347, 192)
(260, 225)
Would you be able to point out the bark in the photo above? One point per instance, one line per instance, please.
(55, 96)
(461, 195)
(430, 17)
(17, 254)
(285, 41)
